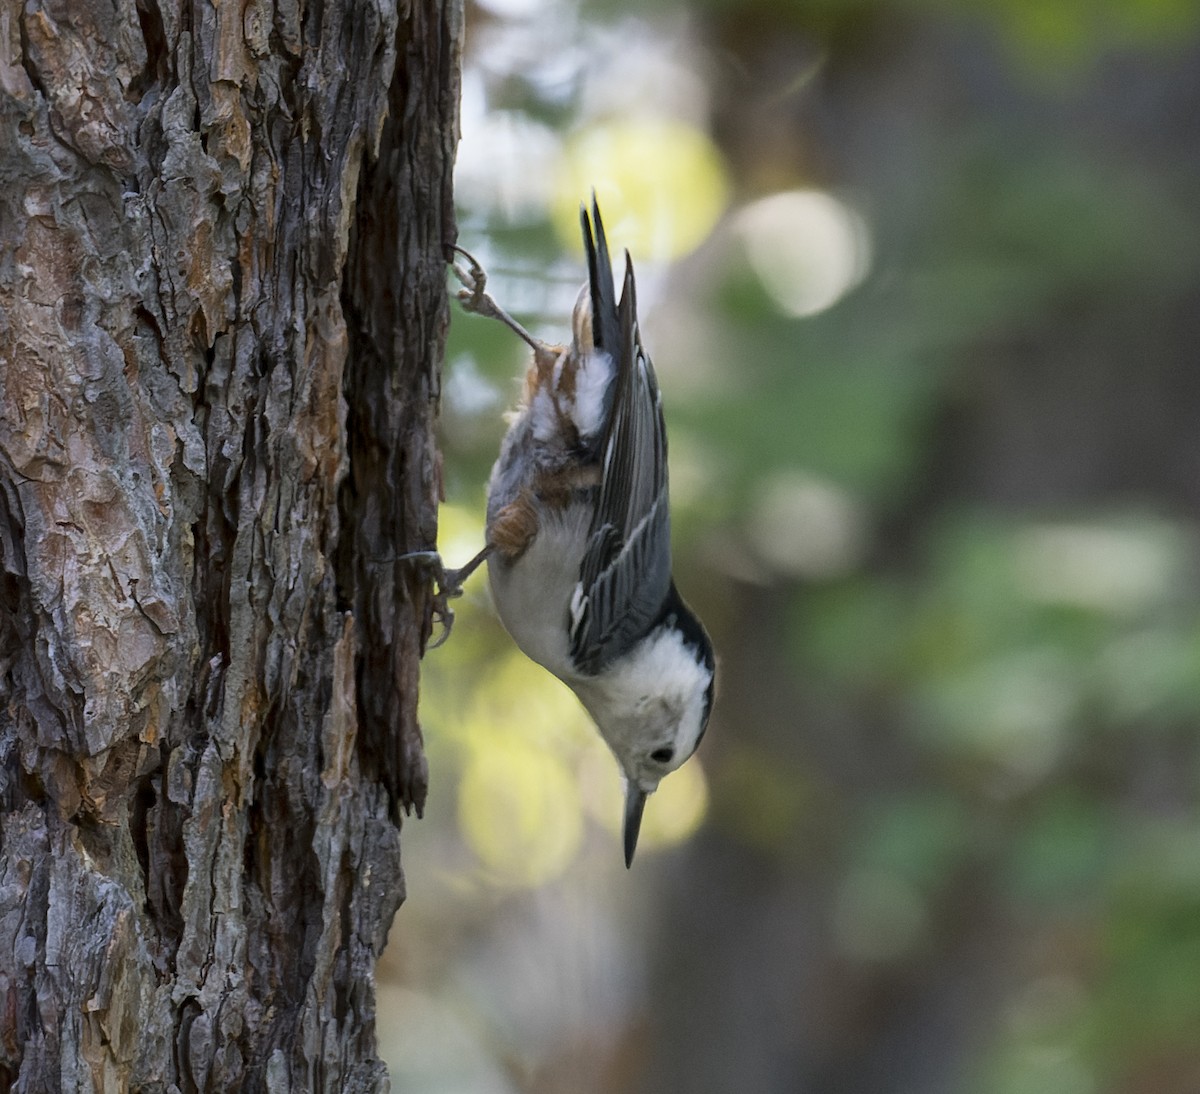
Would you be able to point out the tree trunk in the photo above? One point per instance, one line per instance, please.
(222, 314)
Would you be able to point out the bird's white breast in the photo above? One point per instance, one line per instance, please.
(533, 594)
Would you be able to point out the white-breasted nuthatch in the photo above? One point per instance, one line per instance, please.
(578, 533)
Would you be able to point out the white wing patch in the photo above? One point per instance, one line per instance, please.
(578, 605)
(592, 380)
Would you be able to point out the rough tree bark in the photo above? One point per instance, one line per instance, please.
(222, 314)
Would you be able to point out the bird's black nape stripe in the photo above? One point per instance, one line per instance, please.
(606, 328)
(687, 623)
(676, 613)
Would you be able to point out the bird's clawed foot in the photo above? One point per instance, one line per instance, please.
(473, 295)
(474, 298)
(448, 585)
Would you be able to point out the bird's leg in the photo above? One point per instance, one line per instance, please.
(451, 581)
(474, 298)
(449, 584)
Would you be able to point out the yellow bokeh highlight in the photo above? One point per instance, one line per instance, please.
(521, 698)
(519, 811)
(519, 805)
(661, 185)
(461, 533)
(673, 812)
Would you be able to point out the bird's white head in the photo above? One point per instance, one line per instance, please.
(651, 707)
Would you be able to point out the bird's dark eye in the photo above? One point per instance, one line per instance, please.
(662, 755)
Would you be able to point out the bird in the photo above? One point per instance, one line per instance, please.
(578, 536)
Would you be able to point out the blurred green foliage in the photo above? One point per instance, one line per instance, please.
(963, 703)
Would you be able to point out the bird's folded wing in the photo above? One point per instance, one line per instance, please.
(625, 575)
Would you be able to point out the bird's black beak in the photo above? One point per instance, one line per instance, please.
(635, 802)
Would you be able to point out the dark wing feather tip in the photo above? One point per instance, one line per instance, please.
(626, 570)
(606, 328)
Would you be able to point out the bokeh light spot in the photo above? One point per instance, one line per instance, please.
(461, 533)
(676, 808)
(673, 812)
(1120, 567)
(520, 698)
(661, 186)
(520, 812)
(805, 526)
(807, 248)
(1015, 710)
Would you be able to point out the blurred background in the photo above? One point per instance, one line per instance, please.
(921, 279)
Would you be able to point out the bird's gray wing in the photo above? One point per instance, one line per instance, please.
(625, 574)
